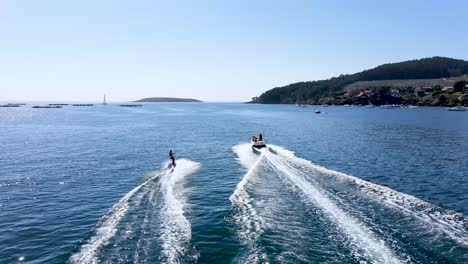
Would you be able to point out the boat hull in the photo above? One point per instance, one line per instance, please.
(258, 144)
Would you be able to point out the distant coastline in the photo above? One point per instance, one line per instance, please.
(167, 99)
(436, 81)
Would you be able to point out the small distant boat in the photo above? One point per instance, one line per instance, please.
(300, 105)
(57, 104)
(82, 104)
(456, 109)
(317, 111)
(131, 105)
(346, 105)
(412, 106)
(47, 106)
(370, 106)
(324, 105)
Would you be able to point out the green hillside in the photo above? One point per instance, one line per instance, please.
(336, 90)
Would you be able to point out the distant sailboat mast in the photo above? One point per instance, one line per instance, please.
(104, 102)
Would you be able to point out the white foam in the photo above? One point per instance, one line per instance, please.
(441, 220)
(246, 218)
(245, 155)
(373, 248)
(175, 228)
(107, 226)
(448, 222)
(143, 247)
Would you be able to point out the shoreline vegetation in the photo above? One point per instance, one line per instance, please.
(435, 81)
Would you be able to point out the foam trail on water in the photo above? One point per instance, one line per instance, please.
(245, 216)
(374, 249)
(144, 241)
(448, 222)
(175, 228)
(453, 224)
(107, 226)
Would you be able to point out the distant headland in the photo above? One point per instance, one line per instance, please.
(167, 99)
(435, 81)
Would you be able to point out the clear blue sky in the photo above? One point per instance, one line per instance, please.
(210, 50)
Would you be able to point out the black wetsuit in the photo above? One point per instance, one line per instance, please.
(171, 156)
(260, 137)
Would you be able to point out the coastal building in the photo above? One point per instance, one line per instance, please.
(361, 95)
(448, 89)
(426, 90)
(395, 92)
(365, 93)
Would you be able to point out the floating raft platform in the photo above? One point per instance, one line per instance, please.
(47, 106)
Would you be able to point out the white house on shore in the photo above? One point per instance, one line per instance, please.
(448, 89)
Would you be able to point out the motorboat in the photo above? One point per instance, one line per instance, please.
(257, 143)
(457, 108)
(317, 111)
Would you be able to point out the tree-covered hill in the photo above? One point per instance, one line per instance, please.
(316, 91)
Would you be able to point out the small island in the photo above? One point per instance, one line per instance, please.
(167, 99)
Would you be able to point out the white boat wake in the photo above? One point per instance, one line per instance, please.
(246, 217)
(366, 244)
(175, 229)
(306, 179)
(453, 225)
(448, 222)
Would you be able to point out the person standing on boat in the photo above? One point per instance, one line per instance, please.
(171, 156)
(260, 137)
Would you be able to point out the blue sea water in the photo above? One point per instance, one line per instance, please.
(350, 185)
